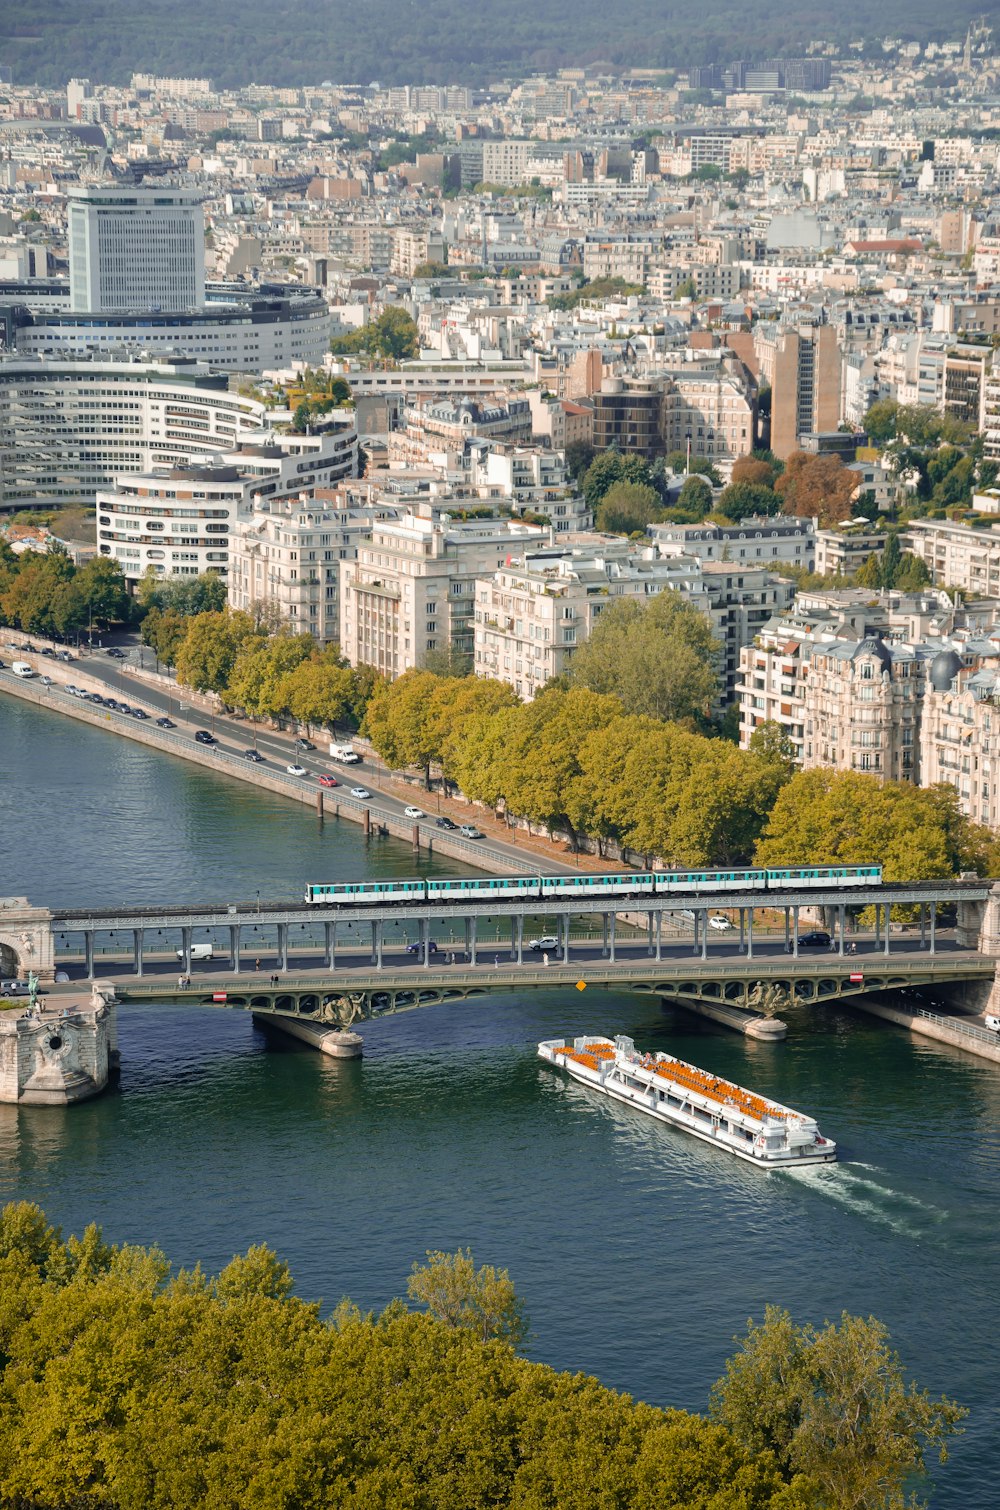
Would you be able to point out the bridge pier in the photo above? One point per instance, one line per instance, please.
(611, 935)
(841, 928)
(520, 939)
(659, 936)
(795, 932)
(470, 937)
(377, 943)
(88, 951)
(565, 934)
(186, 950)
(604, 935)
(282, 946)
(137, 937)
(234, 947)
(330, 944)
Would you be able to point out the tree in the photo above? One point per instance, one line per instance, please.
(818, 487)
(755, 469)
(206, 656)
(104, 590)
(608, 468)
(745, 500)
(164, 630)
(833, 1405)
(33, 592)
(400, 724)
(482, 1301)
(881, 421)
(912, 574)
(695, 498)
(658, 657)
(579, 455)
(258, 681)
(316, 692)
(627, 507)
(395, 335)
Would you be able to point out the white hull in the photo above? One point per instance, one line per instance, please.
(782, 1139)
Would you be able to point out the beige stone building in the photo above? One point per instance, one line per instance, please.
(806, 386)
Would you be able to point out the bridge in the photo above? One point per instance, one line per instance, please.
(312, 969)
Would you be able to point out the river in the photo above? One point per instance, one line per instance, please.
(640, 1253)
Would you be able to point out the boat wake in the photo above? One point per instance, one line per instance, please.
(863, 1188)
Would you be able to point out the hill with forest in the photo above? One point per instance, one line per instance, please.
(433, 41)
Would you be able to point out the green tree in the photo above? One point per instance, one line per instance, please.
(164, 630)
(912, 574)
(104, 591)
(657, 656)
(627, 507)
(833, 1405)
(744, 500)
(395, 335)
(400, 724)
(316, 692)
(609, 468)
(695, 498)
(579, 455)
(881, 421)
(482, 1301)
(258, 682)
(207, 654)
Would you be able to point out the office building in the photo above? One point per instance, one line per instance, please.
(135, 249)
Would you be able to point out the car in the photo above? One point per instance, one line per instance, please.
(719, 923)
(360, 791)
(139, 713)
(127, 708)
(414, 812)
(445, 823)
(64, 655)
(547, 942)
(112, 703)
(295, 770)
(13, 988)
(201, 735)
(470, 831)
(116, 654)
(161, 723)
(685, 914)
(72, 690)
(418, 948)
(304, 744)
(816, 938)
(95, 697)
(253, 755)
(46, 681)
(30, 648)
(47, 650)
(327, 780)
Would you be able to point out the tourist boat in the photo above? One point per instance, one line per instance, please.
(713, 1109)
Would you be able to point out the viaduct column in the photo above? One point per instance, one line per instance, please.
(137, 934)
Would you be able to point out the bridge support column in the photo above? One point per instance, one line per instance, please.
(933, 910)
(186, 950)
(88, 949)
(795, 932)
(749, 933)
(377, 936)
(704, 931)
(694, 946)
(234, 948)
(787, 928)
(470, 933)
(330, 944)
(842, 910)
(604, 935)
(520, 939)
(565, 934)
(649, 933)
(137, 934)
(282, 946)
(659, 936)
(923, 925)
(513, 939)
(614, 919)
(425, 942)
(887, 913)
(743, 929)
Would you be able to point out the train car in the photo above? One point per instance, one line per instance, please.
(619, 884)
(354, 894)
(826, 875)
(668, 881)
(468, 888)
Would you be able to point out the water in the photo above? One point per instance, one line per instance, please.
(640, 1252)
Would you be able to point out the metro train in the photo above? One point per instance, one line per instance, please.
(565, 888)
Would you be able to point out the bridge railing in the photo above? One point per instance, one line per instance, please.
(981, 1035)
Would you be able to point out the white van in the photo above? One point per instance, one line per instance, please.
(21, 668)
(198, 951)
(347, 753)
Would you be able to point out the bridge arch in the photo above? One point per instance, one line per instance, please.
(10, 957)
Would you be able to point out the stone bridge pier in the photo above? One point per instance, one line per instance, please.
(27, 940)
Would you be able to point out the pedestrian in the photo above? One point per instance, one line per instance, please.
(256, 965)
(496, 962)
(545, 958)
(180, 983)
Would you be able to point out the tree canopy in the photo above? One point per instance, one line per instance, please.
(658, 657)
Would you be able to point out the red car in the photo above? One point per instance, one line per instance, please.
(327, 781)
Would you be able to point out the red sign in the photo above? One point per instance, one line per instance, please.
(856, 977)
(220, 996)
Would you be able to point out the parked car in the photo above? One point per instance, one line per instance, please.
(327, 780)
(64, 655)
(253, 755)
(304, 744)
(445, 823)
(201, 735)
(295, 770)
(719, 923)
(161, 723)
(116, 654)
(47, 650)
(360, 791)
(470, 831)
(418, 948)
(816, 938)
(414, 812)
(13, 988)
(548, 942)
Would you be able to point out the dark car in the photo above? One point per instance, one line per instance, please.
(203, 737)
(110, 702)
(816, 938)
(419, 948)
(139, 713)
(253, 755)
(125, 708)
(445, 823)
(95, 697)
(47, 650)
(304, 744)
(116, 654)
(165, 723)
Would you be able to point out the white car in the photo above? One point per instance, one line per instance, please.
(470, 831)
(719, 923)
(360, 791)
(414, 812)
(548, 942)
(295, 770)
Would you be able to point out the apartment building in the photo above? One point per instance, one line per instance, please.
(806, 385)
(435, 425)
(958, 555)
(412, 589)
(960, 732)
(839, 552)
(532, 614)
(751, 542)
